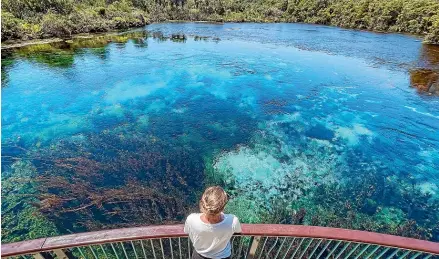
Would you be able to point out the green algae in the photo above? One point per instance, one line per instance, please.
(7, 63)
(20, 219)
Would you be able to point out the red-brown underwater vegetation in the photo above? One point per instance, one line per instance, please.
(97, 182)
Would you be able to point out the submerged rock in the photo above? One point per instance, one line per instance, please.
(425, 80)
(178, 37)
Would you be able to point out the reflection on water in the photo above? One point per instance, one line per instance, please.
(134, 125)
(426, 77)
(425, 80)
(429, 56)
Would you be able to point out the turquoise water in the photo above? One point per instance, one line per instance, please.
(272, 110)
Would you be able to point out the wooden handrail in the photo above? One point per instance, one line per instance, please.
(169, 231)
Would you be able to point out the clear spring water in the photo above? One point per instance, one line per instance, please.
(261, 103)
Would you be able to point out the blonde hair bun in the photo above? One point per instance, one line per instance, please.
(213, 201)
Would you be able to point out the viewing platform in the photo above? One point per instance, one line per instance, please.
(255, 242)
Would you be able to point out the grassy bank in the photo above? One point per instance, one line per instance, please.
(31, 19)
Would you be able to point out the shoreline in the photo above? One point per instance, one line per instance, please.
(23, 43)
(13, 44)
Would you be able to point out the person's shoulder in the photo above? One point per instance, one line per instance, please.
(192, 217)
(232, 217)
(191, 221)
(234, 223)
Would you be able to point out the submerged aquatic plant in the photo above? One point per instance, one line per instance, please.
(117, 180)
(21, 220)
(374, 202)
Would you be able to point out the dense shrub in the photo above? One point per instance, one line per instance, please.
(123, 15)
(29, 19)
(433, 35)
(89, 19)
(29, 8)
(10, 26)
(30, 31)
(56, 25)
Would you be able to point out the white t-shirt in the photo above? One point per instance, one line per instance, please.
(212, 240)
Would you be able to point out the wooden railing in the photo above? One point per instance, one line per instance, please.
(255, 241)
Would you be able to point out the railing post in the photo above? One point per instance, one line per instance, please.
(60, 254)
(38, 256)
(43, 255)
(253, 247)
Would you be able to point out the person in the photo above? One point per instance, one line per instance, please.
(210, 231)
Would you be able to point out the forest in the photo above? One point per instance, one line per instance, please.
(35, 19)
